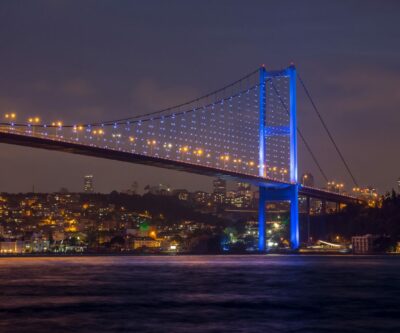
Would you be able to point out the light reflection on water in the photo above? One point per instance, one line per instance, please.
(200, 294)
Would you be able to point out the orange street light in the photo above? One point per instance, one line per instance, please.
(10, 116)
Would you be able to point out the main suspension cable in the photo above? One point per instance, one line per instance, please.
(140, 120)
(327, 130)
(182, 104)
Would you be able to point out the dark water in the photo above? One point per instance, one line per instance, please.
(200, 294)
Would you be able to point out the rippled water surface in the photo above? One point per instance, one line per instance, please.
(200, 294)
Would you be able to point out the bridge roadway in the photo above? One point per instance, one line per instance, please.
(11, 137)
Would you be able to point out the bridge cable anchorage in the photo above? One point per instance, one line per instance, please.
(182, 104)
(301, 134)
(327, 130)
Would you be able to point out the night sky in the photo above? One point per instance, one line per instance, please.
(94, 60)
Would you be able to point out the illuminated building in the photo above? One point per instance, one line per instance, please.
(12, 247)
(251, 228)
(143, 242)
(88, 184)
(244, 194)
(219, 191)
(201, 197)
(363, 244)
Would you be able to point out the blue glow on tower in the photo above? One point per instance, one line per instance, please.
(293, 124)
(294, 198)
(261, 162)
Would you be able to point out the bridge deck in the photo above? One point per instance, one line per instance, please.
(93, 151)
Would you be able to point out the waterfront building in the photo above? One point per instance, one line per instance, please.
(146, 242)
(12, 247)
(363, 244)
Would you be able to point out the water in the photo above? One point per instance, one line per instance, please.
(200, 294)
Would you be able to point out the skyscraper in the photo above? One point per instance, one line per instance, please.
(88, 184)
(219, 192)
(244, 195)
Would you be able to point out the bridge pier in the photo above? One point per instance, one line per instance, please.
(289, 193)
(294, 217)
(308, 208)
(262, 219)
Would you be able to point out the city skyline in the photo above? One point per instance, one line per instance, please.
(48, 81)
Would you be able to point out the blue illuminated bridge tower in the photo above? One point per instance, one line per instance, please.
(290, 190)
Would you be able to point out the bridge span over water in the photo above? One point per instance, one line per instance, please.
(245, 131)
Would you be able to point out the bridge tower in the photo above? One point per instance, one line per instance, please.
(281, 192)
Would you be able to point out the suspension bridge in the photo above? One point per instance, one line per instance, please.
(245, 131)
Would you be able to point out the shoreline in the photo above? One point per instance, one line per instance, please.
(308, 254)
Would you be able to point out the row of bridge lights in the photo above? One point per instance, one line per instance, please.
(338, 186)
(10, 116)
(225, 158)
(199, 152)
(58, 125)
(151, 143)
(31, 120)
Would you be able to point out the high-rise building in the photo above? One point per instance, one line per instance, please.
(398, 185)
(243, 187)
(201, 197)
(219, 190)
(244, 195)
(88, 184)
(307, 179)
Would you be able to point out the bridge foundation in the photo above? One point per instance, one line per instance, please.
(291, 194)
(308, 208)
(262, 219)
